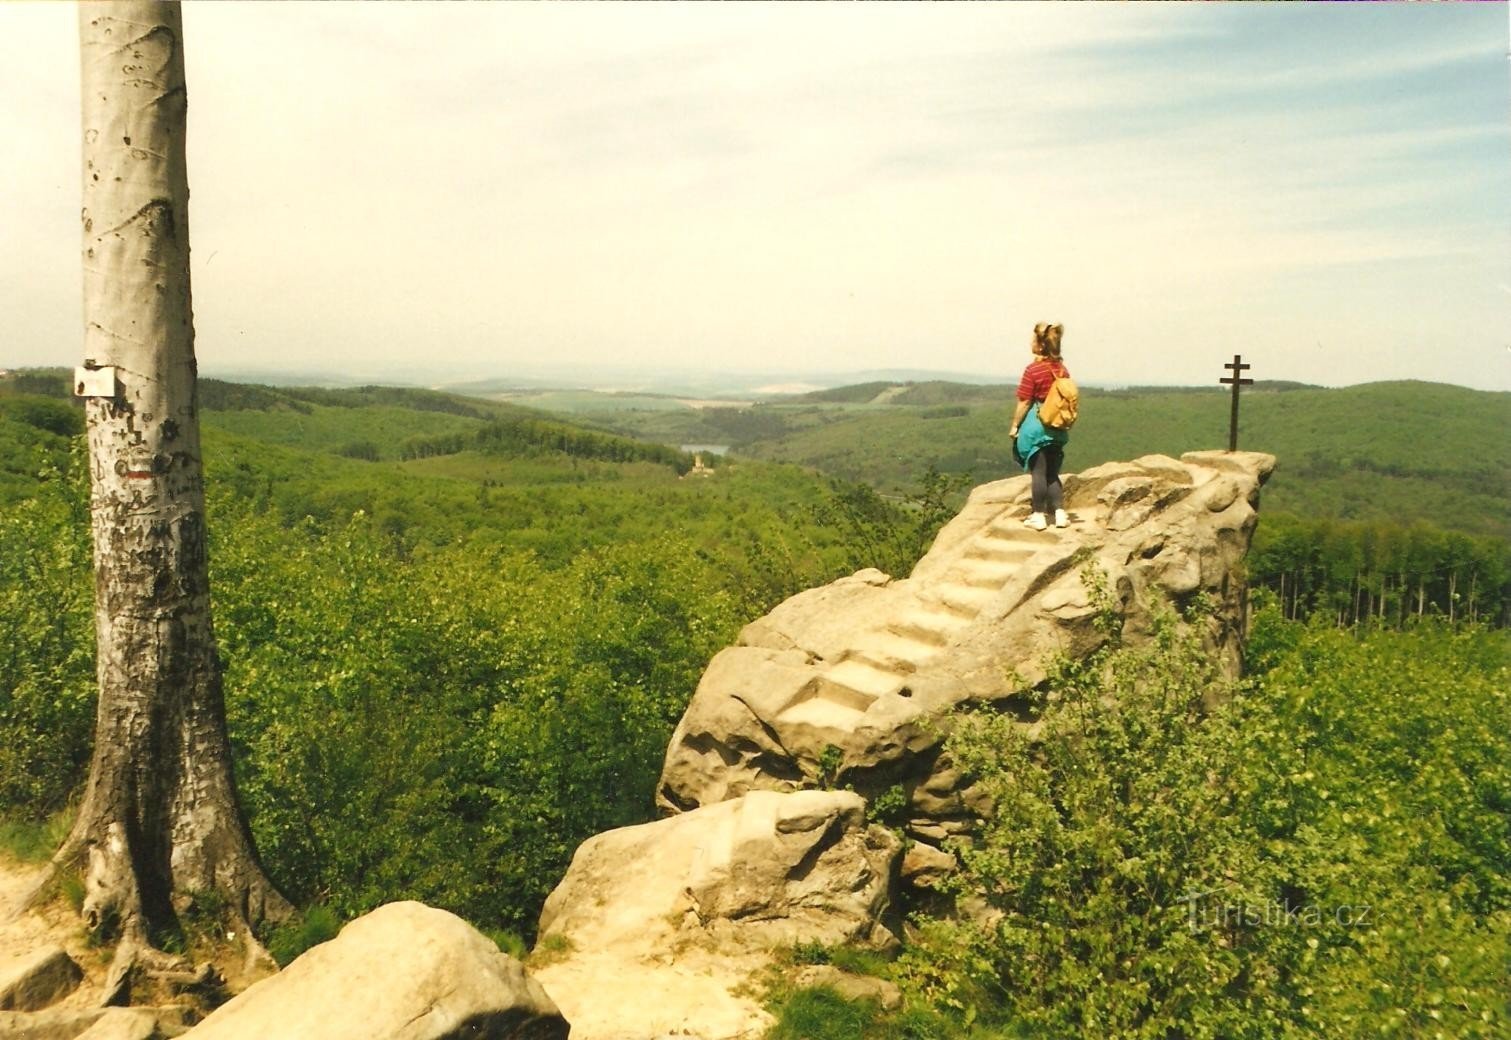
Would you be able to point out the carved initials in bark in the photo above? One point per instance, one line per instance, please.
(160, 819)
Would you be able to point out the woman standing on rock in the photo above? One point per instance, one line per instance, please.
(1040, 448)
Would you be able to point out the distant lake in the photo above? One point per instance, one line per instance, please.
(712, 449)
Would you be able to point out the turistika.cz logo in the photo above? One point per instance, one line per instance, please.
(1206, 912)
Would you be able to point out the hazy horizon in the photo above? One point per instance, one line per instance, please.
(682, 383)
(678, 382)
(811, 188)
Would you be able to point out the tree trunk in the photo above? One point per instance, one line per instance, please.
(160, 821)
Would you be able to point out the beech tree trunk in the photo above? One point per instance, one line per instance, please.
(160, 821)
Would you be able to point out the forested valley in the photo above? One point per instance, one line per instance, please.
(457, 633)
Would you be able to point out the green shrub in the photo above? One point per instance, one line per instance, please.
(46, 647)
(33, 841)
(1320, 854)
(367, 451)
(509, 942)
(315, 925)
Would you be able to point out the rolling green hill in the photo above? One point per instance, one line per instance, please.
(525, 609)
(1374, 485)
(1400, 451)
(434, 469)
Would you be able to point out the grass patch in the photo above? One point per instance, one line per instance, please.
(34, 841)
(510, 942)
(551, 949)
(822, 1014)
(71, 888)
(855, 960)
(317, 924)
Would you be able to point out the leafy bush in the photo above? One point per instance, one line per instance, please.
(315, 925)
(46, 647)
(450, 725)
(56, 417)
(1320, 853)
(32, 841)
(421, 707)
(367, 451)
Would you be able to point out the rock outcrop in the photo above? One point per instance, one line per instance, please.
(850, 684)
(114, 1023)
(405, 971)
(38, 980)
(688, 907)
(125, 1024)
(850, 680)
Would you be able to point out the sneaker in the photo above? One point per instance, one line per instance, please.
(1035, 521)
(1062, 519)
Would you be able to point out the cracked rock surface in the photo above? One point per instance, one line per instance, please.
(406, 971)
(688, 908)
(851, 679)
(850, 685)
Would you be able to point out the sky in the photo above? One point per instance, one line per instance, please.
(381, 191)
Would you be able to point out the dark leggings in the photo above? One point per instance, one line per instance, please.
(1045, 467)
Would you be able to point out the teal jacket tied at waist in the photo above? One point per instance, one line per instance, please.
(1033, 435)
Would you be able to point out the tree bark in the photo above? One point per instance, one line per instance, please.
(160, 821)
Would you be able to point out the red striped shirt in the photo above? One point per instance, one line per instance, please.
(1038, 377)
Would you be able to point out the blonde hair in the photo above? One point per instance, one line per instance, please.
(1047, 338)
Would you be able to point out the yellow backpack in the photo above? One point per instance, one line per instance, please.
(1061, 404)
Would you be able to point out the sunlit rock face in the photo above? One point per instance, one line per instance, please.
(406, 971)
(846, 684)
(841, 696)
(690, 909)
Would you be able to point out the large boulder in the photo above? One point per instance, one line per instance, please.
(405, 971)
(849, 681)
(658, 928)
(97, 1023)
(124, 1024)
(38, 979)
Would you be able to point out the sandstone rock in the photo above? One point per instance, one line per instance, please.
(52, 1024)
(685, 909)
(124, 1024)
(855, 682)
(79, 1023)
(38, 980)
(860, 673)
(404, 972)
(757, 871)
(926, 866)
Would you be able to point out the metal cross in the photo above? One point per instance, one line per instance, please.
(1237, 380)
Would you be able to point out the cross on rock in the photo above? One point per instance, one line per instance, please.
(1237, 380)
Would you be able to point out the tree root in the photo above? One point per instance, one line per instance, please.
(258, 959)
(117, 991)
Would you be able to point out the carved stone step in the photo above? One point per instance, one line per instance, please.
(822, 713)
(902, 652)
(934, 627)
(862, 677)
(1014, 531)
(982, 573)
(999, 550)
(965, 601)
